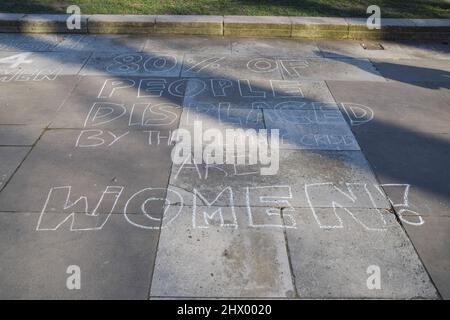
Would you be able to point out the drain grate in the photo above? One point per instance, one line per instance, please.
(372, 46)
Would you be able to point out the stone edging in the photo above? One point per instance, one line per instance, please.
(244, 26)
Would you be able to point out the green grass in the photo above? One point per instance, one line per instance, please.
(342, 8)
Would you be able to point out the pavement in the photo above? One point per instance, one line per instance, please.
(87, 178)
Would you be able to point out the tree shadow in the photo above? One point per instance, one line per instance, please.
(391, 70)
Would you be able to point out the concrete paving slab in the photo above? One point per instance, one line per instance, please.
(431, 241)
(29, 42)
(413, 170)
(334, 263)
(350, 49)
(311, 129)
(259, 93)
(209, 259)
(414, 70)
(105, 43)
(392, 50)
(443, 90)
(10, 159)
(92, 163)
(210, 117)
(393, 106)
(188, 44)
(115, 262)
(59, 63)
(428, 184)
(200, 121)
(408, 132)
(330, 69)
(426, 49)
(19, 135)
(275, 47)
(229, 66)
(416, 202)
(134, 64)
(102, 102)
(33, 99)
(304, 179)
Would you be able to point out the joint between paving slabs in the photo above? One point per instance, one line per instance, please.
(399, 221)
(149, 291)
(24, 158)
(291, 269)
(91, 53)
